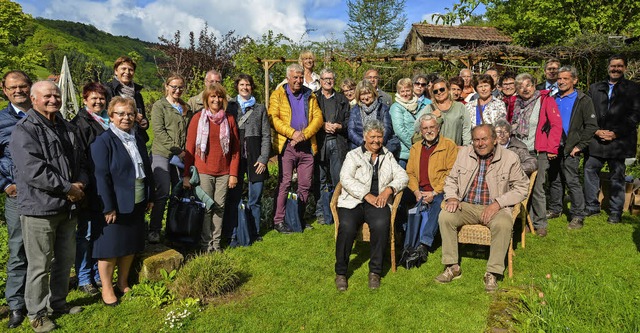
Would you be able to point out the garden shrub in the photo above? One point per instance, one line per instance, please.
(205, 277)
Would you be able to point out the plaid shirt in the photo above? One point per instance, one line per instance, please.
(479, 191)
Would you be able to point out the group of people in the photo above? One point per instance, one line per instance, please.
(462, 147)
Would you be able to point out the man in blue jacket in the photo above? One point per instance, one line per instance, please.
(16, 86)
(50, 174)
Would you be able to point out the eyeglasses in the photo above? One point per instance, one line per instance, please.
(125, 114)
(347, 90)
(501, 133)
(422, 84)
(328, 79)
(176, 87)
(438, 91)
(20, 87)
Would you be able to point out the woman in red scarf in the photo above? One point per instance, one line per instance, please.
(213, 147)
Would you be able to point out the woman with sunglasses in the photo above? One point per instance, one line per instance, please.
(452, 115)
(404, 113)
(169, 118)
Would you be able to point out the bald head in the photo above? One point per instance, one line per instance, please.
(46, 98)
(466, 75)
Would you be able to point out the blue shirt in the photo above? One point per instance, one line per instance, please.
(565, 105)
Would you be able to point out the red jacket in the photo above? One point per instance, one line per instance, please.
(548, 142)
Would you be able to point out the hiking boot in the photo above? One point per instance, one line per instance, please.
(576, 223)
(374, 281)
(153, 237)
(490, 282)
(282, 228)
(542, 232)
(42, 324)
(89, 289)
(341, 282)
(553, 215)
(450, 273)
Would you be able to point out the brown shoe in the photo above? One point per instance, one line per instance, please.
(542, 232)
(576, 223)
(374, 281)
(450, 273)
(490, 282)
(341, 282)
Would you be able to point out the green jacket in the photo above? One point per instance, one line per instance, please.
(169, 128)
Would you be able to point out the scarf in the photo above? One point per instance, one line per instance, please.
(367, 111)
(521, 114)
(102, 121)
(202, 136)
(126, 90)
(129, 142)
(411, 105)
(244, 104)
(352, 102)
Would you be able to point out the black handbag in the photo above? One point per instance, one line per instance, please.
(185, 217)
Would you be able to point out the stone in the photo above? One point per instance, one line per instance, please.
(153, 259)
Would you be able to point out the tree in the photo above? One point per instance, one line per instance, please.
(13, 26)
(544, 22)
(374, 24)
(208, 52)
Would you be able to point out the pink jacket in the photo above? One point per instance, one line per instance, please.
(549, 141)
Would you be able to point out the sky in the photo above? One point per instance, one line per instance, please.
(148, 19)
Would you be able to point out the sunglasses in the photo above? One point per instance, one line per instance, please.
(438, 91)
(422, 84)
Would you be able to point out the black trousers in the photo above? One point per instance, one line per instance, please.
(351, 220)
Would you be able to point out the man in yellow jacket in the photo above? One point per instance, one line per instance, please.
(296, 118)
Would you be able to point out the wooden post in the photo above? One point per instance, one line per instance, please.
(266, 64)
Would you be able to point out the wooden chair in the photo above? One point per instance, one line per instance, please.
(363, 235)
(481, 235)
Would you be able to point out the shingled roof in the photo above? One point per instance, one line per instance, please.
(471, 33)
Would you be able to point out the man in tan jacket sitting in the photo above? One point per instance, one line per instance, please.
(485, 183)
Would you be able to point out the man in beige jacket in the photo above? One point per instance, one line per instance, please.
(485, 183)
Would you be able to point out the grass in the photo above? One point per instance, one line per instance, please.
(287, 285)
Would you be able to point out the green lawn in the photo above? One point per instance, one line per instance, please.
(288, 286)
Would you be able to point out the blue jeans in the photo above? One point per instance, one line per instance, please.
(254, 202)
(429, 228)
(592, 167)
(165, 176)
(86, 266)
(17, 263)
(328, 173)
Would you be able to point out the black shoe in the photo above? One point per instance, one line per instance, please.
(591, 213)
(68, 309)
(113, 305)
(613, 219)
(282, 228)
(89, 289)
(308, 227)
(16, 317)
(553, 215)
(259, 239)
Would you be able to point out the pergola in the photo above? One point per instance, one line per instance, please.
(468, 59)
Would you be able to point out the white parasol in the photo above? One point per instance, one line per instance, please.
(69, 107)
